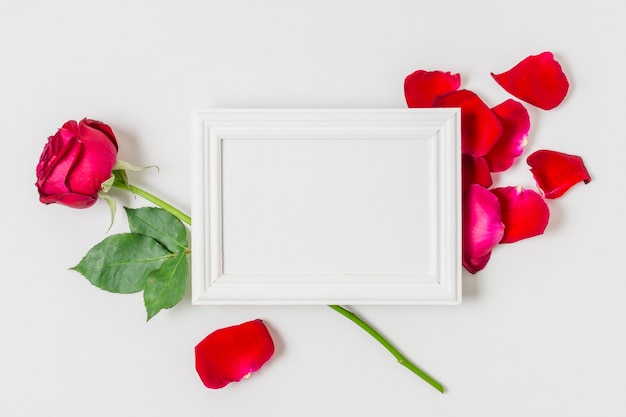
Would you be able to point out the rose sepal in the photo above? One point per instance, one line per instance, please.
(127, 166)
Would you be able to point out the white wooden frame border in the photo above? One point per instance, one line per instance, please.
(211, 127)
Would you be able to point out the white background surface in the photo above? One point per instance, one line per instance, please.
(540, 331)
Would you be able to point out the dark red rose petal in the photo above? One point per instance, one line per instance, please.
(78, 201)
(557, 172)
(482, 226)
(57, 148)
(538, 80)
(480, 127)
(232, 353)
(524, 213)
(515, 126)
(474, 265)
(475, 170)
(421, 87)
(52, 169)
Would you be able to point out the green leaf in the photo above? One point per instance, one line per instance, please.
(166, 286)
(160, 225)
(121, 263)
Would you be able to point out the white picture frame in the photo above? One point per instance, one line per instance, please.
(326, 206)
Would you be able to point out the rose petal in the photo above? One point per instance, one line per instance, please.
(524, 213)
(230, 354)
(482, 226)
(78, 201)
(538, 80)
(57, 149)
(104, 128)
(98, 155)
(475, 170)
(421, 87)
(557, 172)
(475, 265)
(52, 169)
(515, 126)
(480, 127)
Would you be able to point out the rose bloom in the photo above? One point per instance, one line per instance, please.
(75, 163)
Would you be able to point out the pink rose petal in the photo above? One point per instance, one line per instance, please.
(524, 213)
(515, 126)
(482, 226)
(557, 172)
(538, 80)
(99, 149)
(102, 127)
(480, 127)
(421, 87)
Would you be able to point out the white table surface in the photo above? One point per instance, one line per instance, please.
(541, 329)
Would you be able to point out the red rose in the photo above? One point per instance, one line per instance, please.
(75, 163)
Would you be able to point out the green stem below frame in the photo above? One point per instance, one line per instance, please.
(402, 360)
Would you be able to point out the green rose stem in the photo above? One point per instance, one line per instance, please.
(153, 199)
(402, 360)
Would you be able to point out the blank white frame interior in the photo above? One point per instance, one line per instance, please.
(341, 206)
